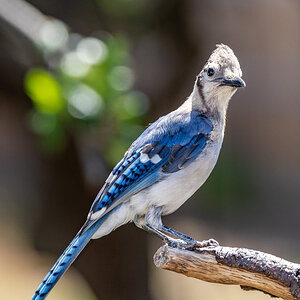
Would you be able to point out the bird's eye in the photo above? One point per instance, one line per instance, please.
(210, 72)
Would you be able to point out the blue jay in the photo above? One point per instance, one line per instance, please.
(164, 167)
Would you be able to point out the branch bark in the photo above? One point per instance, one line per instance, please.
(248, 268)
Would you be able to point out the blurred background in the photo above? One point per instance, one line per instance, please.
(80, 81)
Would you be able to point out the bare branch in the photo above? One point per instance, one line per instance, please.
(22, 17)
(249, 268)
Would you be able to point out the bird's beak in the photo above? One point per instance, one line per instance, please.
(234, 82)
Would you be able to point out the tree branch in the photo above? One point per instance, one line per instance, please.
(249, 268)
(22, 18)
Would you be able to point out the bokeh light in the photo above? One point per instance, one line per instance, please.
(121, 78)
(53, 35)
(43, 123)
(136, 103)
(91, 50)
(73, 66)
(84, 102)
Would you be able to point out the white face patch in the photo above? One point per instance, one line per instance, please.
(144, 158)
(155, 159)
(98, 214)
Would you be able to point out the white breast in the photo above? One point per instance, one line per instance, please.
(176, 188)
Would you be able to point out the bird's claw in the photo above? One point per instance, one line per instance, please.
(176, 244)
(207, 243)
(191, 245)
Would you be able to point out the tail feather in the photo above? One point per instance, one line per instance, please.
(65, 260)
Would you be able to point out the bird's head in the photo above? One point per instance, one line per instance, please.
(220, 78)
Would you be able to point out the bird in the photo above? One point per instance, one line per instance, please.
(163, 167)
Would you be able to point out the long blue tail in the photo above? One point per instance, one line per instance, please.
(65, 260)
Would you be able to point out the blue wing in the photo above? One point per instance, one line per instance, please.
(170, 144)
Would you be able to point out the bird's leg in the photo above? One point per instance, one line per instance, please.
(190, 242)
(152, 223)
(178, 234)
(140, 221)
(167, 239)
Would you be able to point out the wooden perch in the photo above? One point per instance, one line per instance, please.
(252, 270)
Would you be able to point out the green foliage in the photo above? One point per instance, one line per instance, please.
(44, 91)
(88, 86)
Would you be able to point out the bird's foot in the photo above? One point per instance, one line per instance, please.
(175, 243)
(192, 244)
(206, 243)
